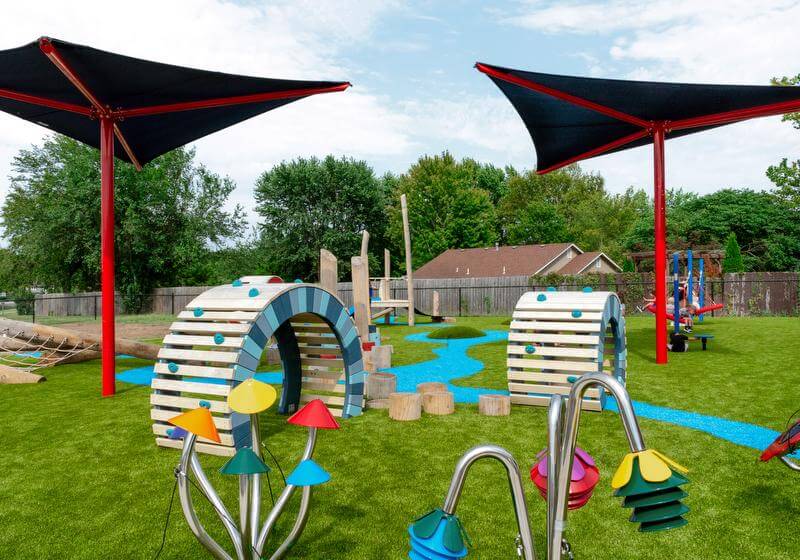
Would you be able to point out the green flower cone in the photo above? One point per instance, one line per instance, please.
(656, 505)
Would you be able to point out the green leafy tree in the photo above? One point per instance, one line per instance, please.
(447, 207)
(168, 217)
(538, 222)
(786, 177)
(733, 255)
(309, 204)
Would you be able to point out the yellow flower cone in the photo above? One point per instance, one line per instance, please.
(252, 397)
(624, 471)
(653, 466)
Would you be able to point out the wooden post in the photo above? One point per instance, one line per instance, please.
(409, 266)
(361, 296)
(328, 271)
(436, 312)
(364, 244)
(438, 402)
(494, 405)
(405, 406)
(387, 264)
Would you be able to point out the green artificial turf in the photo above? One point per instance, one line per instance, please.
(81, 477)
(456, 331)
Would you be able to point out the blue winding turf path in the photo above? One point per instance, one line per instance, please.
(452, 363)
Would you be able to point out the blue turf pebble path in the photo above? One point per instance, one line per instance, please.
(453, 363)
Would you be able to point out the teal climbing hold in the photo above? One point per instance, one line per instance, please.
(218, 338)
(236, 283)
(572, 379)
(205, 404)
(172, 367)
(198, 312)
(298, 281)
(530, 349)
(577, 313)
(541, 297)
(253, 292)
(588, 290)
(551, 288)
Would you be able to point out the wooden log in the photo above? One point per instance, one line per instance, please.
(378, 403)
(431, 387)
(405, 406)
(438, 402)
(13, 376)
(381, 385)
(494, 405)
(73, 338)
(328, 271)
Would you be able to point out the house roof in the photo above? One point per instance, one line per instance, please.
(521, 260)
(583, 261)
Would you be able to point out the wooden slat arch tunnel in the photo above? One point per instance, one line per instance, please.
(217, 342)
(556, 337)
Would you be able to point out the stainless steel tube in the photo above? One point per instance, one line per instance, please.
(186, 502)
(514, 480)
(570, 436)
(299, 525)
(554, 426)
(791, 464)
(255, 483)
(285, 495)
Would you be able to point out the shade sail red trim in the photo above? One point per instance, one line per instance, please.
(58, 61)
(727, 117)
(226, 101)
(575, 100)
(597, 151)
(45, 102)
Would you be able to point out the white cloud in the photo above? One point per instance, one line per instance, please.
(285, 39)
(717, 41)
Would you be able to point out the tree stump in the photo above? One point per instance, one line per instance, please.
(381, 385)
(378, 403)
(431, 387)
(438, 402)
(405, 406)
(494, 405)
(12, 376)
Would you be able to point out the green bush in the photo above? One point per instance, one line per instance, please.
(24, 300)
(456, 332)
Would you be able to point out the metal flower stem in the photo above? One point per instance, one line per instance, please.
(248, 542)
(791, 464)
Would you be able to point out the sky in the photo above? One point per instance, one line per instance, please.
(415, 90)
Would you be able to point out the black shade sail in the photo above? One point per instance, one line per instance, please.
(572, 118)
(190, 103)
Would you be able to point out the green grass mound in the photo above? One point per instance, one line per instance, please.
(456, 332)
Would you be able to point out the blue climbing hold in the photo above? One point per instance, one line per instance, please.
(218, 338)
(551, 288)
(298, 281)
(176, 433)
(198, 312)
(308, 473)
(172, 367)
(236, 283)
(541, 297)
(205, 404)
(572, 378)
(577, 313)
(253, 292)
(588, 290)
(530, 349)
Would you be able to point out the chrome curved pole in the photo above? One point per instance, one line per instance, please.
(186, 502)
(299, 525)
(208, 490)
(285, 495)
(555, 414)
(255, 485)
(570, 436)
(791, 464)
(514, 480)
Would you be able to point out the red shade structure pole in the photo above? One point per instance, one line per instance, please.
(660, 243)
(656, 128)
(107, 290)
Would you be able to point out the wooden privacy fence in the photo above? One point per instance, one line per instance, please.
(743, 294)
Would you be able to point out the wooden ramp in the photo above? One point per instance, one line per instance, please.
(217, 342)
(556, 337)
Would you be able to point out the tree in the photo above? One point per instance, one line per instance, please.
(309, 204)
(786, 177)
(168, 217)
(538, 222)
(733, 255)
(446, 206)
